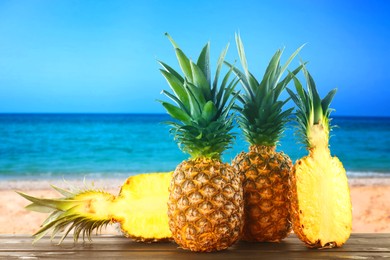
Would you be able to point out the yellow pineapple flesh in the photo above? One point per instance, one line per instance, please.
(265, 175)
(321, 206)
(140, 209)
(205, 205)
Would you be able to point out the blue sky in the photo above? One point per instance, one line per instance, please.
(101, 56)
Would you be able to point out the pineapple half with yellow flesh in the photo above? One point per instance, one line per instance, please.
(320, 199)
(140, 208)
(205, 205)
(265, 171)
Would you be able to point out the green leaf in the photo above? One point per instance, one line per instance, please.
(281, 85)
(172, 41)
(63, 192)
(177, 87)
(240, 98)
(204, 62)
(185, 64)
(287, 113)
(315, 97)
(195, 104)
(230, 105)
(241, 54)
(209, 111)
(327, 100)
(51, 203)
(176, 100)
(300, 90)
(219, 67)
(243, 79)
(254, 84)
(200, 81)
(172, 71)
(176, 112)
(228, 92)
(272, 67)
(40, 234)
(218, 98)
(53, 216)
(289, 61)
(197, 93)
(39, 208)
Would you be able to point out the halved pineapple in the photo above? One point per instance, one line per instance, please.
(320, 200)
(140, 208)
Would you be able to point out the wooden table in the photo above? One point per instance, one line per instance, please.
(359, 246)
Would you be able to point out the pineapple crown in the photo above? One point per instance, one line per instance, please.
(67, 213)
(261, 118)
(200, 108)
(313, 112)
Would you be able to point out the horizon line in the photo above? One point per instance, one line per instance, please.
(146, 113)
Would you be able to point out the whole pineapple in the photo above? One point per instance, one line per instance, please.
(205, 205)
(265, 172)
(320, 200)
(140, 209)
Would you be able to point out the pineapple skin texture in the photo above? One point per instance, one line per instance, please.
(265, 174)
(321, 208)
(205, 205)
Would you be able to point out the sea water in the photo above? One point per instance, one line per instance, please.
(118, 145)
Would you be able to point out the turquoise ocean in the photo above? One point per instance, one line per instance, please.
(69, 146)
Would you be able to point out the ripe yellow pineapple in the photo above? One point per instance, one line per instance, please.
(265, 172)
(320, 200)
(140, 208)
(205, 204)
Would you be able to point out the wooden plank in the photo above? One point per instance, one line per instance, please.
(192, 256)
(359, 246)
(365, 242)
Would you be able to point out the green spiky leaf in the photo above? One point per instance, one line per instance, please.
(200, 81)
(209, 111)
(171, 71)
(176, 112)
(218, 70)
(66, 214)
(262, 118)
(312, 110)
(204, 62)
(177, 87)
(328, 99)
(184, 62)
(203, 128)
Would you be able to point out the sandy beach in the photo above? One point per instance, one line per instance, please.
(370, 197)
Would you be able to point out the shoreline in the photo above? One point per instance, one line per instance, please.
(116, 182)
(370, 196)
(45, 184)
